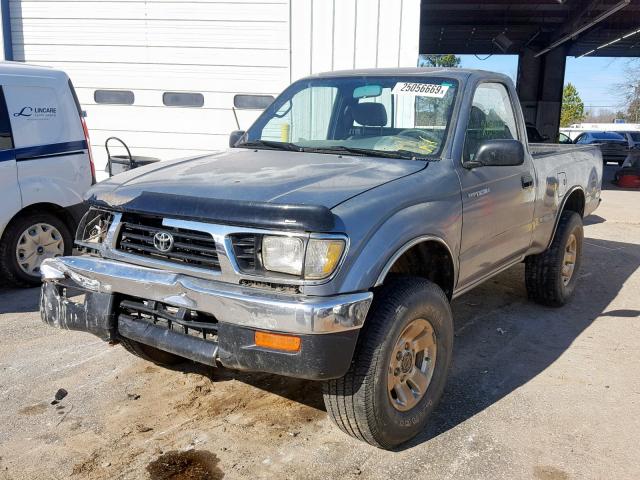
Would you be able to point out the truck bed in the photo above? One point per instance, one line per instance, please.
(538, 150)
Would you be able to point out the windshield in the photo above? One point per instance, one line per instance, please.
(401, 117)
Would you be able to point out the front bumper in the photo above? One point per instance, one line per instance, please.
(328, 326)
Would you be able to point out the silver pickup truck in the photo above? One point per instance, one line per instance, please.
(329, 240)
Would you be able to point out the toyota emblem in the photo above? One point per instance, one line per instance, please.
(163, 241)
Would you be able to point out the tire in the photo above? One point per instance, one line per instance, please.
(544, 272)
(360, 403)
(10, 270)
(151, 354)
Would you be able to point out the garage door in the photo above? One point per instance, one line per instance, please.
(161, 75)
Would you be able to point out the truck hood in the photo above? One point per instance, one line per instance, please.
(266, 176)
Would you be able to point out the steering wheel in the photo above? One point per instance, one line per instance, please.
(417, 134)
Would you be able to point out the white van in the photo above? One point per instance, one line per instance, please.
(45, 169)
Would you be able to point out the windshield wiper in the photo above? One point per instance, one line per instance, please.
(271, 144)
(404, 154)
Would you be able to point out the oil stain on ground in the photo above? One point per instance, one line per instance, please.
(189, 465)
(35, 409)
(546, 472)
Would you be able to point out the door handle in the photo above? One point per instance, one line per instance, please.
(527, 181)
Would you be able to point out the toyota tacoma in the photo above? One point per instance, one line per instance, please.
(329, 240)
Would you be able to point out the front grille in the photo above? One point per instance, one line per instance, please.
(190, 248)
(246, 248)
(181, 320)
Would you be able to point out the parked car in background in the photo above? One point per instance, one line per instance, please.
(534, 135)
(633, 138)
(614, 146)
(45, 169)
(564, 139)
(329, 241)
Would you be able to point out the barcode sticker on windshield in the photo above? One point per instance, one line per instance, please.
(420, 89)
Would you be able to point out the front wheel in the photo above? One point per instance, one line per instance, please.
(400, 366)
(27, 242)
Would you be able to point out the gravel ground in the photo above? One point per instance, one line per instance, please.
(534, 392)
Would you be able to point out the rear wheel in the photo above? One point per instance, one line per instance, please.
(27, 242)
(150, 354)
(400, 366)
(551, 276)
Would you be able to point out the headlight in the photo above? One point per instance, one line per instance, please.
(93, 228)
(287, 255)
(283, 254)
(322, 258)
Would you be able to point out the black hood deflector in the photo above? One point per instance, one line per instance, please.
(298, 217)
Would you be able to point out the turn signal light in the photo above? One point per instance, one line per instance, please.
(277, 341)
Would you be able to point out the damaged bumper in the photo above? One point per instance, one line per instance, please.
(84, 293)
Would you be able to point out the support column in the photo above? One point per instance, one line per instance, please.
(540, 86)
(5, 31)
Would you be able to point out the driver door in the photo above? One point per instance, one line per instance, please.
(497, 201)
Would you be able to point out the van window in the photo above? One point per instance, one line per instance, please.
(182, 99)
(6, 140)
(114, 97)
(75, 99)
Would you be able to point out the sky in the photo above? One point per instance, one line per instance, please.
(597, 79)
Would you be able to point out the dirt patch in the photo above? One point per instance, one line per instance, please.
(35, 409)
(189, 465)
(86, 467)
(546, 472)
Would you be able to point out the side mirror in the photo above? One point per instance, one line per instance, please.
(235, 136)
(498, 153)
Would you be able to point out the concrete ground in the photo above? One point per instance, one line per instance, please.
(534, 392)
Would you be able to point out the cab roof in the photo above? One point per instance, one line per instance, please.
(461, 74)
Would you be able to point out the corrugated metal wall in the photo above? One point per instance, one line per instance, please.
(217, 48)
(345, 34)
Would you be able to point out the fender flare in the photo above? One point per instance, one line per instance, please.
(561, 209)
(406, 247)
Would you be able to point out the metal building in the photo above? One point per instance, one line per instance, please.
(162, 74)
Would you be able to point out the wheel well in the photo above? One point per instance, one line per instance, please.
(429, 259)
(44, 207)
(575, 202)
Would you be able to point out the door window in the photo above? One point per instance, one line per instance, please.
(6, 140)
(491, 118)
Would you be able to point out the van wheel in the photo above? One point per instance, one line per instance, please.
(29, 240)
(551, 276)
(151, 354)
(400, 366)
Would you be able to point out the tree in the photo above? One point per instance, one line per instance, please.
(449, 60)
(633, 110)
(629, 92)
(572, 106)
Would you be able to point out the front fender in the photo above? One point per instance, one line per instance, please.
(436, 220)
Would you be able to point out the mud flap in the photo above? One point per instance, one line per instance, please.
(71, 308)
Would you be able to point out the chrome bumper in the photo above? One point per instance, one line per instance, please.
(233, 304)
